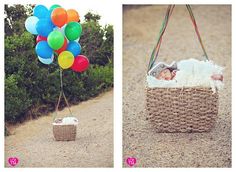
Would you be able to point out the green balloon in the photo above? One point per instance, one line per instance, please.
(73, 31)
(54, 6)
(55, 40)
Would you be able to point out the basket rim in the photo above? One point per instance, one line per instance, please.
(184, 87)
(56, 124)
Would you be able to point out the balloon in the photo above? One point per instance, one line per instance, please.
(59, 16)
(55, 40)
(72, 15)
(65, 59)
(44, 27)
(74, 48)
(46, 61)
(54, 6)
(43, 50)
(63, 48)
(30, 24)
(40, 38)
(81, 63)
(58, 31)
(73, 31)
(41, 11)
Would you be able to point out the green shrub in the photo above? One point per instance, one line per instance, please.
(98, 78)
(17, 100)
(79, 87)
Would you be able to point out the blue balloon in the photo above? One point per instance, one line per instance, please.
(46, 61)
(43, 50)
(30, 24)
(44, 27)
(74, 48)
(41, 11)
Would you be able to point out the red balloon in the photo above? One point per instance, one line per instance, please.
(81, 63)
(40, 38)
(63, 48)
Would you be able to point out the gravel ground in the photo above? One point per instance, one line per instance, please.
(140, 28)
(34, 145)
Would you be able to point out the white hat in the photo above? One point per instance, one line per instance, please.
(156, 69)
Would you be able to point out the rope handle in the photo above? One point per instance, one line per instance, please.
(196, 30)
(59, 99)
(156, 49)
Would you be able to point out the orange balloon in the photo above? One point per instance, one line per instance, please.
(72, 15)
(59, 16)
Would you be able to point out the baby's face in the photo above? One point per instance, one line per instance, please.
(165, 75)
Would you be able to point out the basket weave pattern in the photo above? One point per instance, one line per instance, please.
(192, 109)
(64, 132)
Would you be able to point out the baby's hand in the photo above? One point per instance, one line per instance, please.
(217, 77)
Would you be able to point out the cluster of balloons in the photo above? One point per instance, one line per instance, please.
(58, 32)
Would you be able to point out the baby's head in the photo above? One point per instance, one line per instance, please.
(163, 71)
(166, 74)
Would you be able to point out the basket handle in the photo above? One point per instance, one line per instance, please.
(59, 99)
(156, 49)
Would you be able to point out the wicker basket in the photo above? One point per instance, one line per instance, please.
(64, 132)
(192, 109)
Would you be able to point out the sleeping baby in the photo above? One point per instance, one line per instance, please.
(189, 72)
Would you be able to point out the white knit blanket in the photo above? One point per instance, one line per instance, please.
(67, 121)
(191, 73)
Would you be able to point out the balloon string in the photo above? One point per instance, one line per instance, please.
(159, 40)
(196, 30)
(61, 94)
(156, 49)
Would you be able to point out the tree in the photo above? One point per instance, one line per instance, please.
(97, 42)
(15, 17)
(92, 17)
(107, 49)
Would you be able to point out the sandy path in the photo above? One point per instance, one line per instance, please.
(34, 145)
(140, 27)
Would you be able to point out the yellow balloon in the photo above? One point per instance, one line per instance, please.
(66, 59)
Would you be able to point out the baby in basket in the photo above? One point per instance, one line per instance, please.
(162, 71)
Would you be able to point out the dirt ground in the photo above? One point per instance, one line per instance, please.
(34, 145)
(141, 26)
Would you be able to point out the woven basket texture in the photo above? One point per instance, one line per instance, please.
(192, 109)
(64, 132)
